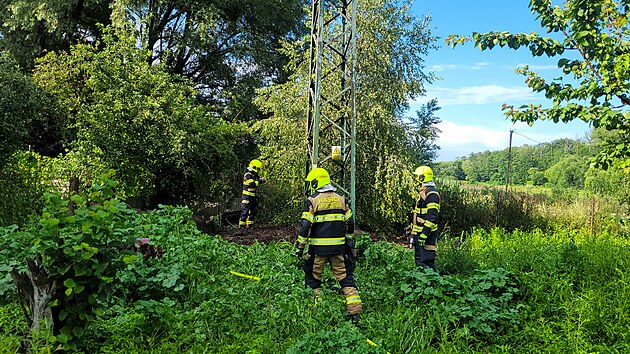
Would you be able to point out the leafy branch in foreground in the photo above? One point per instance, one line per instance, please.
(594, 40)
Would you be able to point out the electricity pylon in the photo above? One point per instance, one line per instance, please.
(331, 97)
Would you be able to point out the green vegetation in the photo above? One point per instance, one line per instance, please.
(387, 147)
(593, 84)
(154, 93)
(500, 291)
(558, 166)
(157, 91)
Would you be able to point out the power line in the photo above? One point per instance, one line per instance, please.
(526, 137)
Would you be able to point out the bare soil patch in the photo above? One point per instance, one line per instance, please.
(267, 234)
(260, 233)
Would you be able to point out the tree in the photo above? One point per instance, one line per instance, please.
(611, 182)
(227, 48)
(487, 166)
(523, 158)
(568, 172)
(142, 120)
(423, 132)
(28, 116)
(536, 177)
(390, 51)
(450, 169)
(591, 39)
(31, 28)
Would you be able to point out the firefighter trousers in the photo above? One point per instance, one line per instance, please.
(424, 255)
(342, 270)
(248, 210)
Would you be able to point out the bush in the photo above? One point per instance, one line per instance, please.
(463, 208)
(22, 189)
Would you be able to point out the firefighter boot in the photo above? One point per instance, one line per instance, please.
(354, 318)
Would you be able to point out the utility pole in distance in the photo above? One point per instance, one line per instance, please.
(509, 166)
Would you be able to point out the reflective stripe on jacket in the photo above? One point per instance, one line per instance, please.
(326, 220)
(250, 183)
(424, 216)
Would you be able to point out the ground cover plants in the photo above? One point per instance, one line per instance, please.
(497, 291)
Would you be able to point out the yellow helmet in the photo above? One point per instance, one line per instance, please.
(424, 173)
(317, 178)
(255, 165)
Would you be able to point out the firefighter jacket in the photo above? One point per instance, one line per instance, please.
(326, 220)
(424, 217)
(251, 180)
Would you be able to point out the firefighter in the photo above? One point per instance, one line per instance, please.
(327, 229)
(249, 202)
(423, 230)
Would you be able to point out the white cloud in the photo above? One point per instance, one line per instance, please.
(454, 134)
(445, 67)
(477, 95)
(457, 140)
(536, 67)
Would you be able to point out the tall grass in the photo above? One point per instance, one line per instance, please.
(465, 207)
(500, 291)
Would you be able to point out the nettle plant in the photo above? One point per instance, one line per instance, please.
(64, 263)
(481, 303)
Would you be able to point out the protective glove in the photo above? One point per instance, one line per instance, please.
(299, 253)
(408, 235)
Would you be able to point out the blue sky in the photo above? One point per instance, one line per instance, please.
(475, 84)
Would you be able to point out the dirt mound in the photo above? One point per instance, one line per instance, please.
(266, 234)
(261, 233)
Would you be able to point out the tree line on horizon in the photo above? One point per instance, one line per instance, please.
(559, 164)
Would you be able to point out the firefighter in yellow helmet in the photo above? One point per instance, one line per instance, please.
(423, 229)
(327, 229)
(249, 202)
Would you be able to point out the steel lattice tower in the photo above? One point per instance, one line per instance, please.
(331, 95)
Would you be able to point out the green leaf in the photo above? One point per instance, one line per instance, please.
(63, 314)
(69, 283)
(129, 259)
(78, 331)
(62, 270)
(79, 270)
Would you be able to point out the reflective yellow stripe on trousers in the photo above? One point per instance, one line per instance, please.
(355, 299)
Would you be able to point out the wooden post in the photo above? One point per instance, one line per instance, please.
(509, 165)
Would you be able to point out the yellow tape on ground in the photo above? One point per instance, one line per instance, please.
(372, 343)
(244, 275)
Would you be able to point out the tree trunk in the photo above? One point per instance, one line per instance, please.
(35, 291)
